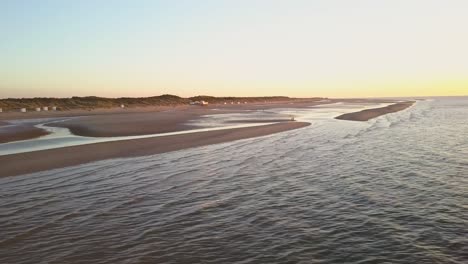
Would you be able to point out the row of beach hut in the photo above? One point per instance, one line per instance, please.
(206, 103)
(37, 109)
(235, 103)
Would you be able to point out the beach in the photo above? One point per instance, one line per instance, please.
(132, 121)
(9, 133)
(143, 120)
(140, 123)
(35, 161)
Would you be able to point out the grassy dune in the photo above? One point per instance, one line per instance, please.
(93, 102)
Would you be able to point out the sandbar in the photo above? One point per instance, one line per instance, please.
(36, 161)
(19, 132)
(369, 114)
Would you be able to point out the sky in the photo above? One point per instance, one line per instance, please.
(298, 48)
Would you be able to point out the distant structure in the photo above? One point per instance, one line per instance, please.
(202, 103)
(122, 106)
(1, 110)
(23, 110)
(45, 108)
(38, 109)
(54, 108)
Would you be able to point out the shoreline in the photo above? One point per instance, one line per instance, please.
(149, 122)
(117, 122)
(368, 114)
(43, 160)
(112, 122)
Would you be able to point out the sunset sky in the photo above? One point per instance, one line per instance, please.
(360, 48)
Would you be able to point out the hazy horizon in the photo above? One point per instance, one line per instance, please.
(241, 96)
(242, 48)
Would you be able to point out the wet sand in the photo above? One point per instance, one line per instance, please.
(145, 120)
(169, 120)
(23, 163)
(138, 121)
(19, 132)
(369, 114)
(130, 124)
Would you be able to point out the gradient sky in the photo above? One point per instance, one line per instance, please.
(359, 48)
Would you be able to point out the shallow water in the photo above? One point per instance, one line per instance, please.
(391, 190)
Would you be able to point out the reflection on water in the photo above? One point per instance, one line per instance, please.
(392, 190)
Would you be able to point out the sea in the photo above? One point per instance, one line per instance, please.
(390, 190)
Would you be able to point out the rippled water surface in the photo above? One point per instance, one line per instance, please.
(391, 190)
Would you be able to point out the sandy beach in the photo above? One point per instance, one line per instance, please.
(69, 156)
(143, 120)
(130, 124)
(133, 121)
(20, 132)
(369, 114)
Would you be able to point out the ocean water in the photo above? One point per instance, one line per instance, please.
(391, 190)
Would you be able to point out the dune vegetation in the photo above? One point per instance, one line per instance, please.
(93, 102)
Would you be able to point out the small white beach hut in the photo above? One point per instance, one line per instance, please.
(38, 109)
(45, 108)
(23, 110)
(122, 106)
(54, 108)
(1, 110)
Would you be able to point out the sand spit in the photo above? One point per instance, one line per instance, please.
(369, 114)
(23, 163)
(19, 132)
(130, 124)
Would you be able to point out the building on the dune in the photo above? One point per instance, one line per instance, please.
(38, 109)
(202, 103)
(23, 110)
(45, 108)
